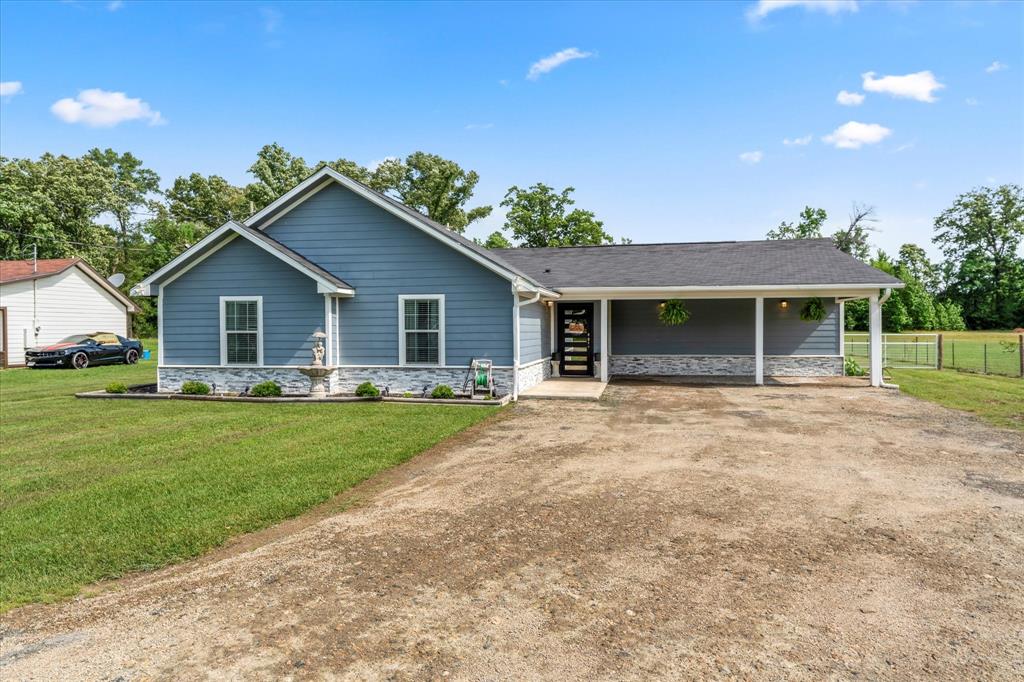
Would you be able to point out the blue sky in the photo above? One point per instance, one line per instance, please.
(670, 120)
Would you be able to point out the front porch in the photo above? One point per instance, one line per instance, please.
(734, 337)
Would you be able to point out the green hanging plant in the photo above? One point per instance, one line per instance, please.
(673, 312)
(813, 310)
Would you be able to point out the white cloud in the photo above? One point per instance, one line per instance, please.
(798, 141)
(102, 109)
(751, 158)
(920, 86)
(552, 62)
(503, 82)
(850, 99)
(971, 102)
(854, 135)
(765, 7)
(996, 66)
(114, 5)
(10, 88)
(479, 126)
(904, 147)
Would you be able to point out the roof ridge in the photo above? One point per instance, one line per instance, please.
(699, 243)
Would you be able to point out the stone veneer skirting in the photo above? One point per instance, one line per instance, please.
(534, 374)
(724, 365)
(343, 380)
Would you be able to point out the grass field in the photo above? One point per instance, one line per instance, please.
(92, 489)
(998, 400)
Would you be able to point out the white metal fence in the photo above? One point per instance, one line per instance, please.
(907, 351)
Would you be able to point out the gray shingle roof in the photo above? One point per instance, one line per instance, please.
(706, 264)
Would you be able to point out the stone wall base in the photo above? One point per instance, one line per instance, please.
(724, 365)
(534, 374)
(398, 380)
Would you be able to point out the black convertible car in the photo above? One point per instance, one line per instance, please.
(81, 350)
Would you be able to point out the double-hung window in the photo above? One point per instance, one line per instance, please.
(241, 330)
(421, 329)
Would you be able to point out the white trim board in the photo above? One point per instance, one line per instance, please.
(402, 298)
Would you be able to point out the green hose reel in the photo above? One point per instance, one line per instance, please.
(481, 378)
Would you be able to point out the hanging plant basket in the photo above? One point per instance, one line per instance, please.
(673, 313)
(813, 310)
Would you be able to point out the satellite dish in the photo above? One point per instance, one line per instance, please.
(117, 279)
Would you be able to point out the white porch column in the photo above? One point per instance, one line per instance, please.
(875, 335)
(605, 346)
(759, 341)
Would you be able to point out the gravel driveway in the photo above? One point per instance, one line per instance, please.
(666, 531)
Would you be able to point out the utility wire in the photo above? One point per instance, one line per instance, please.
(32, 237)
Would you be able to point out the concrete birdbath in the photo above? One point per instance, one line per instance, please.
(318, 371)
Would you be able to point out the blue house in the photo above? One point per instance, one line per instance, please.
(406, 303)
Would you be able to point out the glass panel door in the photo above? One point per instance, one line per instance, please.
(576, 339)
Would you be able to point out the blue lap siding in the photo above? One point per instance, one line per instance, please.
(786, 334)
(723, 327)
(292, 308)
(382, 256)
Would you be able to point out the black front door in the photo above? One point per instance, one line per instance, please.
(576, 339)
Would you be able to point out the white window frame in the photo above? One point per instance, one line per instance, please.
(224, 331)
(402, 298)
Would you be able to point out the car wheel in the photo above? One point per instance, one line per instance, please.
(79, 360)
(131, 357)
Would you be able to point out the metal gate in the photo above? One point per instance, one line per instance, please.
(900, 351)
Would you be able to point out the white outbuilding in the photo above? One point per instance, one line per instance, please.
(43, 301)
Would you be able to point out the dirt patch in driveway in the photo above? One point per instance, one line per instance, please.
(666, 531)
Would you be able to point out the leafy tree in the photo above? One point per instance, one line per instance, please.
(52, 203)
(434, 186)
(495, 240)
(981, 236)
(914, 260)
(540, 216)
(130, 199)
(350, 169)
(809, 227)
(276, 172)
(208, 200)
(854, 239)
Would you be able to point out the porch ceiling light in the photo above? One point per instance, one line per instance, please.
(783, 304)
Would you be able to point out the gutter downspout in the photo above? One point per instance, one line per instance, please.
(881, 302)
(517, 304)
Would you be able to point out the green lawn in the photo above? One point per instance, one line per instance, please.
(92, 489)
(996, 399)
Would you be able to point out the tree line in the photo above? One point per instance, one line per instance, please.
(110, 209)
(978, 285)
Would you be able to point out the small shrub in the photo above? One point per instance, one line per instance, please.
(116, 387)
(195, 388)
(367, 390)
(852, 369)
(407, 394)
(443, 391)
(266, 389)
